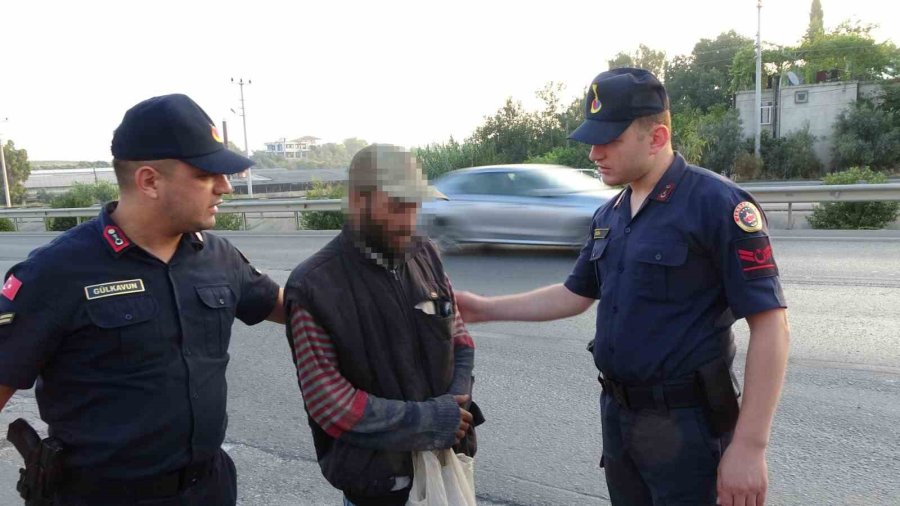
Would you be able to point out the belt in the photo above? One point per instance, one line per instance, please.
(682, 393)
(82, 482)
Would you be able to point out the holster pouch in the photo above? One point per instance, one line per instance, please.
(720, 396)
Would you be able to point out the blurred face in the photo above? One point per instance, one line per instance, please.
(189, 197)
(386, 223)
(626, 159)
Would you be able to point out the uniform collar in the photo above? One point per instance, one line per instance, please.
(118, 243)
(669, 182)
(115, 239)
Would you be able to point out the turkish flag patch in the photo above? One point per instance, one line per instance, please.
(11, 287)
(755, 257)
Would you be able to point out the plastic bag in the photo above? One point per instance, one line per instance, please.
(442, 478)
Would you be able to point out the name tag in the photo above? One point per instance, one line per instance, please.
(601, 233)
(114, 288)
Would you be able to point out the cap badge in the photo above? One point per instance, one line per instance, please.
(215, 134)
(595, 104)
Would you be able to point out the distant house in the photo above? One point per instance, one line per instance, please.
(792, 107)
(296, 148)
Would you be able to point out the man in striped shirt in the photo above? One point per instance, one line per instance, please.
(384, 361)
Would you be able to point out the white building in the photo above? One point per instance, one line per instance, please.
(296, 148)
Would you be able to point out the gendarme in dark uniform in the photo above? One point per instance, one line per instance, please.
(671, 279)
(129, 352)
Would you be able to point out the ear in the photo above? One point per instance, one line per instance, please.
(659, 138)
(147, 180)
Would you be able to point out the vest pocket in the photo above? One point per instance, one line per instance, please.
(131, 321)
(436, 341)
(219, 302)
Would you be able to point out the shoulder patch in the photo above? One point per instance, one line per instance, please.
(748, 217)
(6, 318)
(11, 287)
(755, 257)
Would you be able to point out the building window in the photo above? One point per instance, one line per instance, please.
(765, 115)
(801, 97)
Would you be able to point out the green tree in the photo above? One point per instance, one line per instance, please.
(234, 147)
(353, 145)
(643, 58)
(852, 51)
(575, 155)
(81, 195)
(816, 26)
(721, 129)
(510, 132)
(868, 134)
(703, 78)
(686, 138)
(17, 171)
(854, 215)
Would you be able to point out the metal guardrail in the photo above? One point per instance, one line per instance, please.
(241, 207)
(789, 195)
(823, 193)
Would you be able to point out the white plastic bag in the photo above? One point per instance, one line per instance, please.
(442, 478)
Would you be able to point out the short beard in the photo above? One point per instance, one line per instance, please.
(375, 236)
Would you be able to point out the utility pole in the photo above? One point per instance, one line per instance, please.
(3, 169)
(240, 82)
(758, 78)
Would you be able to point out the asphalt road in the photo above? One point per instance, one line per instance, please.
(836, 438)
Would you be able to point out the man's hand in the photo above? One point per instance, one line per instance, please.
(471, 306)
(465, 418)
(743, 476)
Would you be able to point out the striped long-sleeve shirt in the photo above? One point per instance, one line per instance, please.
(351, 414)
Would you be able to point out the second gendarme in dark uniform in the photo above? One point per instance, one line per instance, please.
(674, 260)
(124, 322)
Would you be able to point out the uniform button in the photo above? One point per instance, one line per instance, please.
(627, 230)
(187, 352)
(196, 395)
(615, 309)
(621, 269)
(128, 316)
(658, 256)
(222, 301)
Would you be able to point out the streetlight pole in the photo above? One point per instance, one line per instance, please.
(240, 82)
(758, 79)
(3, 169)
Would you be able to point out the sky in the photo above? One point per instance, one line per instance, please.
(404, 72)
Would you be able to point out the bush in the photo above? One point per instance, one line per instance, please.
(229, 221)
(6, 225)
(323, 220)
(747, 167)
(801, 161)
(867, 135)
(788, 157)
(722, 131)
(854, 215)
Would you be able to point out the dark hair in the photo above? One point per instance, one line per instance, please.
(645, 123)
(124, 169)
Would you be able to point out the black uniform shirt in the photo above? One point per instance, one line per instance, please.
(129, 352)
(673, 279)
